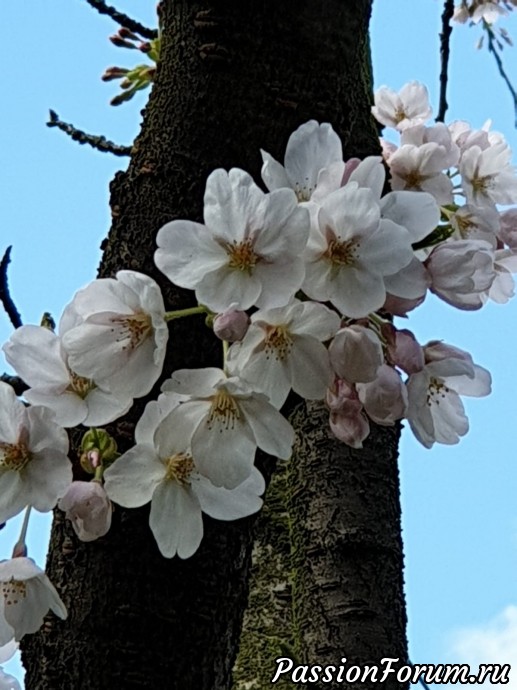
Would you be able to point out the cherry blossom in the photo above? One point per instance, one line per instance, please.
(38, 356)
(461, 270)
(420, 168)
(409, 107)
(122, 334)
(162, 469)
(356, 354)
(488, 178)
(88, 508)
(249, 251)
(435, 410)
(34, 467)
(347, 420)
(351, 250)
(385, 398)
(227, 420)
(280, 348)
(473, 223)
(28, 594)
(313, 147)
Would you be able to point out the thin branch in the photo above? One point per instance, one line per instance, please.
(123, 19)
(5, 297)
(445, 37)
(492, 48)
(97, 142)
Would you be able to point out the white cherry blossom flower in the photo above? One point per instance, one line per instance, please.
(487, 176)
(88, 508)
(121, 338)
(310, 149)
(283, 349)
(249, 251)
(473, 223)
(439, 134)
(461, 270)
(351, 250)
(503, 287)
(435, 410)
(508, 229)
(409, 107)
(420, 168)
(34, 467)
(38, 356)
(28, 594)
(227, 420)
(161, 469)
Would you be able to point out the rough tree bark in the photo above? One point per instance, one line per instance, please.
(234, 77)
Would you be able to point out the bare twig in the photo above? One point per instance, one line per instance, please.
(492, 48)
(97, 142)
(5, 297)
(123, 19)
(445, 37)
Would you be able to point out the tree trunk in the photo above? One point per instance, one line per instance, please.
(233, 78)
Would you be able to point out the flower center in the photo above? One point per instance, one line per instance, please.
(465, 225)
(223, 411)
(179, 467)
(342, 253)
(14, 456)
(278, 342)
(134, 329)
(303, 192)
(414, 179)
(480, 185)
(400, 114)
(80, 385)
(242, 255)
(14, 591)
(436, 390)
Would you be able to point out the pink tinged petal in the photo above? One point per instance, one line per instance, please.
(186, 252)
(14, 496)
(35, 353)
(12, 415)
(273, 433)
(385, 399)
(132, 479)
(136, 375)
(273, 174)
(351, 427)
(317, 321)
(175, 520)
(356, 354)
(440, 187)
(267, 374)
(418, 212)
(226, 504)
(44, 432)
(354, 211)
(310, 370)
(388, 250)
(370, 173)
(96, 349)
(407, 353)
(279, 283)
(104, 407)
(284, 230)
(450, 420)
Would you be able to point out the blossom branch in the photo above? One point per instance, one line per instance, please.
(95, 141)
(123, 19)
(5, 297)
(445, 36)
(492, 48)
(17, 384)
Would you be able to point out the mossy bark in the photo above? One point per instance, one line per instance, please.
(234, 77)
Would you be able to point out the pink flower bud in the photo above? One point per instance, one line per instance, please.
(347, 420)
(385, 399)
(231, 325)
(405, 352)
(356, 354)
(88, 508)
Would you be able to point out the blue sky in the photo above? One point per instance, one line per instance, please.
(460, 516)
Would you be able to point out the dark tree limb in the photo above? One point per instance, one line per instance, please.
(95, 141)
(17, 384)
(5, 296)
(492, 48)
(445, 37)
(123, 19)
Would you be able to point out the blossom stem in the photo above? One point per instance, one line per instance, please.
(180, 313)
(99, 471)
(226, 346)
(20, 548)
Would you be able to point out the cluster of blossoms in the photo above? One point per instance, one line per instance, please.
(488, 11)
(301, 283)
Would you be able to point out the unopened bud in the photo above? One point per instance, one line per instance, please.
(121, 42)
(127, 33)
(231, 325)
(112, 73)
